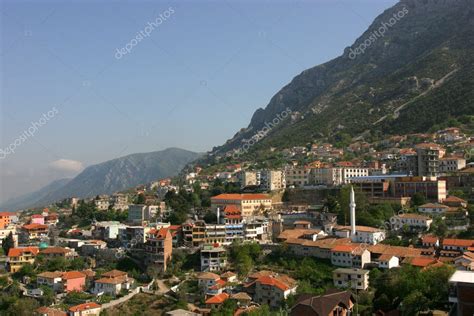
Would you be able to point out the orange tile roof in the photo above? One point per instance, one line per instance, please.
(239, 197)
(208, 276)
(428, 146)
(429, 239)
(421, 262)
(458, 242)
(114, 273)
(354, 248)
(35, 226)
(272, 281)
(16, 252)
(7, 214)
(55, 250)
(453, 198)
(73, 275)
(37, 216)
(116, 280)
(400, 252)
(51, 275)
(84, 307)
(218, 299)
(297, 233)
(43, 310)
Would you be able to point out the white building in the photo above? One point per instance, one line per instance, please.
(411, 221)
(213, 258)
(138, 213)
(350, 255)
(433, 208)
(387, 261)
(356, 279)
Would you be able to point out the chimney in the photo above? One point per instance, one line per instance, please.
(352, 206)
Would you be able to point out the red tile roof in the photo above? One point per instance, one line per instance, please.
(271, 281)
(84, 307)
(429, 239)
(114, 273)
(351, 248)
(55, 250)
(73, 275)
(453, 198)
(16, 252)
(37, 216)
(218, 299)
(34, 226)
(458, 242)
(5, 214)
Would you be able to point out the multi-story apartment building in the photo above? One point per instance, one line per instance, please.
(272, 180)
(234, 226)
(413, 222)
(248, 178)
(256, 229)
(431, 188)
(273, 289)
(139, 213)
(199, 233)
(451, 164)
(102, 202)
(120, 201)
(18, 257)
(216, 233)
(31, 232)
(428, 156)
(159, 248)
(297, 176)
(350, 255)
(213, 258)
(356, 279)
(249, 204)
(7, 218)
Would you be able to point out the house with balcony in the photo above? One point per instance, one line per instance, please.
(213, 258)
(159, 248)
(356, 279)
(52, 280)
(18, 257)
(350, 255)
(34, 231)
(273, 289)
(112, 283)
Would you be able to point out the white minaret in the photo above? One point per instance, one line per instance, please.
(352, 207)
(218, 215)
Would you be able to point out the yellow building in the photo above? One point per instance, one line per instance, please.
(18, 257)
(248, 204)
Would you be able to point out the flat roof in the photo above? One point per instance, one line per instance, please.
(463, 277)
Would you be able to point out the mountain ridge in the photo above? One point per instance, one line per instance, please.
(110, 176)
(418, 62)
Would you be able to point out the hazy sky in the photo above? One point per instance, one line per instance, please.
(194, 79)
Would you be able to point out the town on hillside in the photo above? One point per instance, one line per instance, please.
(368, 229)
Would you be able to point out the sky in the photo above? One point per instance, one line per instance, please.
(82, 82)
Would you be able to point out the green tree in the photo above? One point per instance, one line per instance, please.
(8, 243)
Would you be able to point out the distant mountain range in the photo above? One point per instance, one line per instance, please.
(411, 71)
(109, 177)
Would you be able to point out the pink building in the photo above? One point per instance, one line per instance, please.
(37, 219)
(73, 281)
